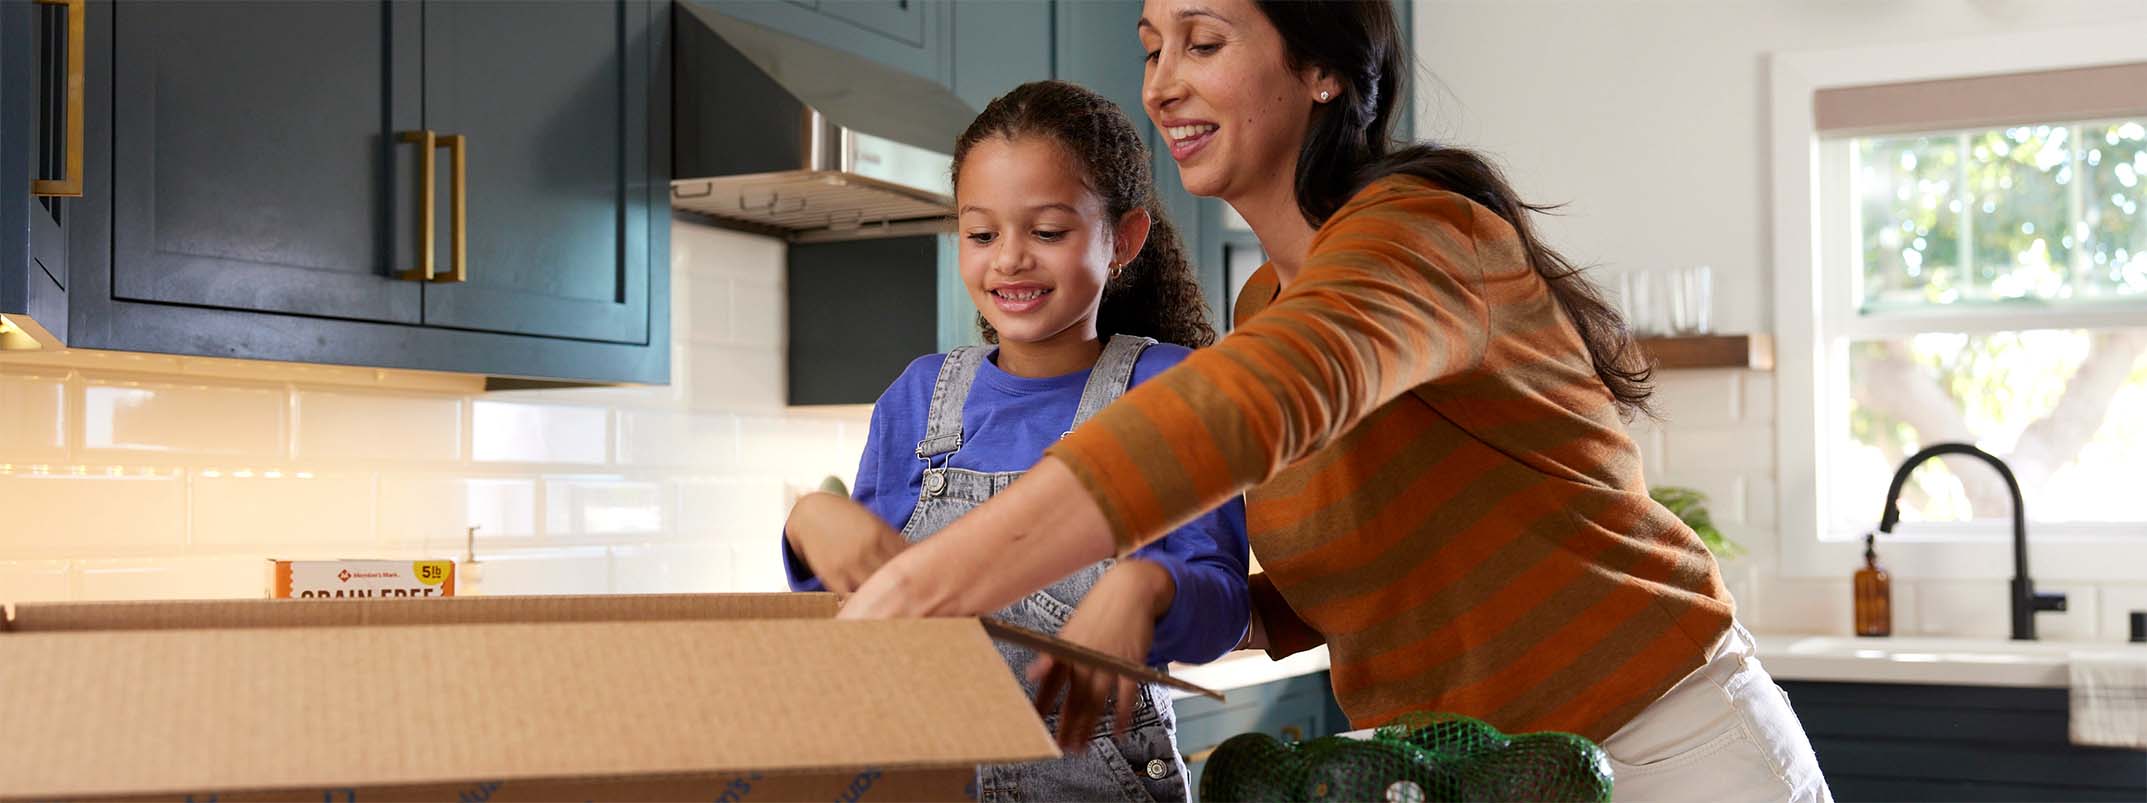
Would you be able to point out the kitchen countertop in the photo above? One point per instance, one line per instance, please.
(1941, 661)
(1847, 659)
(1247, 668)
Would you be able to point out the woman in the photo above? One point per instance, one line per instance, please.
(1423, 405)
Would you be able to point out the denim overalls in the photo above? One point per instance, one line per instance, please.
(1144, 767)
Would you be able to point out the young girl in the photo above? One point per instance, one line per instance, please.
(1055, 205)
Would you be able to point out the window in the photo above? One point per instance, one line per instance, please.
(1956, 256)
(1988, 286)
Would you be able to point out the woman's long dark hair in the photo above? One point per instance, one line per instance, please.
(1157, 294)
(1350, 145)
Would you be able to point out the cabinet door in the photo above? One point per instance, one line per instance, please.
(1098, 48)
(254, 156)
(552, 102)
(34, 140)
(999, 45)
(900, 20)
(909, 35)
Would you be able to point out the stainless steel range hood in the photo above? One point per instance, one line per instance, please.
(782, 136)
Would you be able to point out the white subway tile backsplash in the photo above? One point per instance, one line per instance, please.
(1759, 397)
(732, 378)
(758, 312)
(672, 569)
(34, 581)
(432, 512)
(205, 417)
(33, 417)
(2079, 620)
(1760, 503)
(701, 308)
(2117, 603)
(582, 507)
(1962, 608)
(172, 578)
(698, 251)
(509, 432)
(64, 514)
(284, 513)
(371, 426)
(1697, 398)
(572, 570)
(1692, 449)
(1725, 492)
(707, 441)
(730, 510)
(800, 450)
(1785, 605)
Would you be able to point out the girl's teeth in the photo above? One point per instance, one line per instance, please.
(1020, 295)
(1184, 132)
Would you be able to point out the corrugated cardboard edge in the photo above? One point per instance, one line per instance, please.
(1067, 650)
(951, 784)
(33, 617)
(246, 673)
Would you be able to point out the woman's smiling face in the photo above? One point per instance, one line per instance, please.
(1218, 84)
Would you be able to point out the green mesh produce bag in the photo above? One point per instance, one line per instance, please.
(1423, 757)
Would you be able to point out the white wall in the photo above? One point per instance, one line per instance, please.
(1649, 121)
(133, 476)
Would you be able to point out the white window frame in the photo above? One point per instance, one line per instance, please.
(1812, 308)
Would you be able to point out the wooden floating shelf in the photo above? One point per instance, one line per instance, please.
(1752, 352)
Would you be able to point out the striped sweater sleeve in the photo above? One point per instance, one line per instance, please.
(1390, 297)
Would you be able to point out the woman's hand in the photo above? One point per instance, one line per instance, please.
(1039, 530)
(1118, 619)
(841, 540)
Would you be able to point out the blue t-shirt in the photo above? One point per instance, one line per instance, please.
(1007, 424)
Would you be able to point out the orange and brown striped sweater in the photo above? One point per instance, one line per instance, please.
(1435, 478)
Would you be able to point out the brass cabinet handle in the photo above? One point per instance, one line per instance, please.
(71, 185)
(425, 143)
(457, 147)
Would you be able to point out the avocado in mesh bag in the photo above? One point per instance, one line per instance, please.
(1422, 758)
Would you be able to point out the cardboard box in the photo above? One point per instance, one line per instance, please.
(360, 579)
(670, 697)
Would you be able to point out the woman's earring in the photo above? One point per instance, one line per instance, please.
(1323, 96)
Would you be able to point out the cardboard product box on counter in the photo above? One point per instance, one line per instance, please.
(720, 697)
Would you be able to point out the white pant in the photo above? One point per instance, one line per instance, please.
(1724, 734)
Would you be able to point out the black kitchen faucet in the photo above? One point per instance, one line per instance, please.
(2026, 603)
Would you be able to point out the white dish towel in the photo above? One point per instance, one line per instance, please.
(2109, 698)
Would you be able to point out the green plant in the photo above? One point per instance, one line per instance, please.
(1691, 507)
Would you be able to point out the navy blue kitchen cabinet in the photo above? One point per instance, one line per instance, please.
(1903, 742)
(41, 117)
(260, 178)
(911, 35)
(999, 45)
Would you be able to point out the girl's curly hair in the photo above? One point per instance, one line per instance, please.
(1157, 294)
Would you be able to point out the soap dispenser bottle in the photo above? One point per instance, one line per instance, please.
(1874, 594)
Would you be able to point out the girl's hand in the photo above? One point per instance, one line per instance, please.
(1040, 529)
(1117, 618)
(841, 540)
